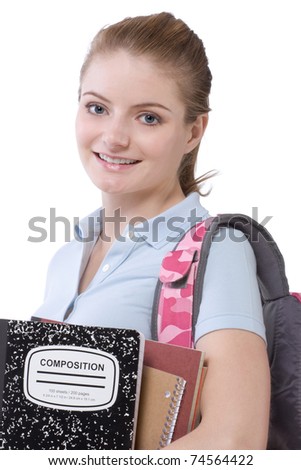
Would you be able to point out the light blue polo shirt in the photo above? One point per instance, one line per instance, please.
(122, 291)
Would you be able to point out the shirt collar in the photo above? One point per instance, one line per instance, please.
(89, 227)
(169, 226)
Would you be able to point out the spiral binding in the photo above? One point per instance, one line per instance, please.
(171, 418)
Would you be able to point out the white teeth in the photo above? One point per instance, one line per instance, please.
(120, 161)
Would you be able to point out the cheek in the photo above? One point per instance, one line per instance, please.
(79, 130)
(169, 150)
(83, 131)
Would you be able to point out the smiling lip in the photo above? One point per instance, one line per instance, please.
(115, 160)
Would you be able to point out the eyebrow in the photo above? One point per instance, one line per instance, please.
(140, 105)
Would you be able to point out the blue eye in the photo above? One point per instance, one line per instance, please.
(96, 109)
(150, 119)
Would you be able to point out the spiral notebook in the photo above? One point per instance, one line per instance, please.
(160, 400)
(184, 362)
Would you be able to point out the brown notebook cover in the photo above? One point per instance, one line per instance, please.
(160, 401)
(186, 363)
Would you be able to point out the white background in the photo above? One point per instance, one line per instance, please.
(253, 137)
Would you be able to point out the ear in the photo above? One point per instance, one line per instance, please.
(196, 131)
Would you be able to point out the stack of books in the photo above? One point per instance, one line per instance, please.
(172, 382)
(75, 387)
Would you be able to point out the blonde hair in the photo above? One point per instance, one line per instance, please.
(171, 44)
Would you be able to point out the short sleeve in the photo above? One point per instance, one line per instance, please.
(231, 296)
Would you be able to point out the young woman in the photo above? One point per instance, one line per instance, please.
(143, 110)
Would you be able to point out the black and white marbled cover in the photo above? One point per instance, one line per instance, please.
(26, 425)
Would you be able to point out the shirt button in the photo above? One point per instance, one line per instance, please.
(106, 268)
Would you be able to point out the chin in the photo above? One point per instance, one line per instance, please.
(108, 188)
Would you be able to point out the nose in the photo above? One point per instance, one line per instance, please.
(116, 134)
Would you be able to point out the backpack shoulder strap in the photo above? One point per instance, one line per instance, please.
(172, 317)
(179, 290)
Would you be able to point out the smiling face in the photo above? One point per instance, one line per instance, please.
(130, 127)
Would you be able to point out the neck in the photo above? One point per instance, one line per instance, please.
(120, 210)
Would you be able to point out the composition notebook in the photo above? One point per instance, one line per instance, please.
(68, 386)
(183, 362)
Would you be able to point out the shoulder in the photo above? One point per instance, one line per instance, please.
(231, 296)
(231, 262)
(231, 245)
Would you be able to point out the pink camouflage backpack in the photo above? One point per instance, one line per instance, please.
(179, 293)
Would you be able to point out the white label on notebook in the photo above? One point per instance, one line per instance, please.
(70, 377)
